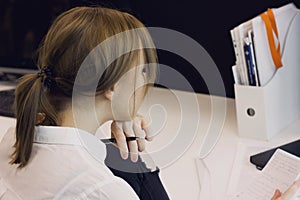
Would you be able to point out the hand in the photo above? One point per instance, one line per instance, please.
(289, 193)
(137, 127)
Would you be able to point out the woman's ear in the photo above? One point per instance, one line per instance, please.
(109, 93)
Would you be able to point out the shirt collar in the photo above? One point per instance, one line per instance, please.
(71, 136)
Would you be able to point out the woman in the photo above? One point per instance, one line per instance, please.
(53, 153)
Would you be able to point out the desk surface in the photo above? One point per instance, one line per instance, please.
(180, 174)
(211, 179)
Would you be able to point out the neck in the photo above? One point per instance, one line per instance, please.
(85, 117)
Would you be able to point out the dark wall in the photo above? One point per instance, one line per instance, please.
(209, 23)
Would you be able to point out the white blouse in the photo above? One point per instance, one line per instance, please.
(65, 163)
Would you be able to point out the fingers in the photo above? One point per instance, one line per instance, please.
(276, 195)
(140, 128)
(137, 128)
(117, 131)
(120, 131)
(145, 124)
(291, 191)
(132, 145)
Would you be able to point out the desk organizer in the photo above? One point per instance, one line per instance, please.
(263, 112)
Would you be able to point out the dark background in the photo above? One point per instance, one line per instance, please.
(207, 22)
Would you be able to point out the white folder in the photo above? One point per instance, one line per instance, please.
(263, 112)
(284, 17)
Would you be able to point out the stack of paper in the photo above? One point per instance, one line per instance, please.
(242, 38)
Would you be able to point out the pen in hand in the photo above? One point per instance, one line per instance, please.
(113, 140)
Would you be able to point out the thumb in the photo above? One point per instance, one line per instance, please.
(276, 195)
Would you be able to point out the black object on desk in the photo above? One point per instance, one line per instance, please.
(6, 103)
(260, 160)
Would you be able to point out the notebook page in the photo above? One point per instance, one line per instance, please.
(279, 173)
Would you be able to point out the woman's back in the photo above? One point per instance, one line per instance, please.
(66, 163)
(80, 84)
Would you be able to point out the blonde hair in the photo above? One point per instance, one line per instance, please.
(72, 36)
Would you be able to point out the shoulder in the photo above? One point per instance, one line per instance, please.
(7, 126)
(7, 134)
(7, 141)
(113, 190)
(97, 185)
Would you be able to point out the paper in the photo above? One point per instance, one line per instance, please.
(243, 172)
(279, 173)
(236, 75)
(238, 34)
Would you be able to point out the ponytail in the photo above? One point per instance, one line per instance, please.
(30, 99)
(70, 39)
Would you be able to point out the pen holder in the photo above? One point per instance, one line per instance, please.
(263, 112)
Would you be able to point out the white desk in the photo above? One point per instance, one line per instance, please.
(181, 177)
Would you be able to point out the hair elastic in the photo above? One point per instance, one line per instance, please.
(46, 74)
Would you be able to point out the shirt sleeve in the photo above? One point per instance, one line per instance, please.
(114, 190)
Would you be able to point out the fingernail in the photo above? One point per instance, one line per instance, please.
(134, 159)
(149, 138)
(277, 193)
(124, 155)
